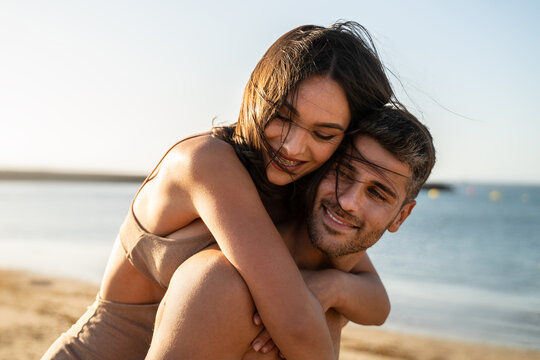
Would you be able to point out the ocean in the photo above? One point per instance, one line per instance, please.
(465, 265)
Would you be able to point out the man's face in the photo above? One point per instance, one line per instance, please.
(371, 199)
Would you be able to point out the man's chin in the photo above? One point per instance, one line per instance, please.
(317, 245)
(329, 248)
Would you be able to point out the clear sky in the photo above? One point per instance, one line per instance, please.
(108, 86)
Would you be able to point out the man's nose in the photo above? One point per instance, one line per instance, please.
(350, 197)
(295, 140)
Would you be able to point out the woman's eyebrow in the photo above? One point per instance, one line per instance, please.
(292, 111)
(330, 125)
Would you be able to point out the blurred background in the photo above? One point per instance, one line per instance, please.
(107, 87)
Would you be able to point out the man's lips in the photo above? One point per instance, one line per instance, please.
(336, 220)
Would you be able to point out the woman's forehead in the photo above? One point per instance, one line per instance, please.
(319, 100)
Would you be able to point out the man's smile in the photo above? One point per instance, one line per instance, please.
(334, 220)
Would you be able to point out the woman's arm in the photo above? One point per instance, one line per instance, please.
(359, 295)
(208, 175)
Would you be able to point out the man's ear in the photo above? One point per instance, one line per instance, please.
(401, 216)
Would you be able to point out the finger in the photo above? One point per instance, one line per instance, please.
(257, 319)
(260, 340)
(269, 346)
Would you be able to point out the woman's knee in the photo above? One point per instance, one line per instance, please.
(210, 273)
(207, 310)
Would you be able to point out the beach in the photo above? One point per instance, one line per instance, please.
(35, 309)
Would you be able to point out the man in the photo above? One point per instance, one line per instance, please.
(207, 310)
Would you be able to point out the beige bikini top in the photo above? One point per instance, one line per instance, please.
(154, 256)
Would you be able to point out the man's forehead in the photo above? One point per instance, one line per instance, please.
(381, 164)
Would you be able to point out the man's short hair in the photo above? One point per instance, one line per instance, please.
(396, 130)
(403, 135)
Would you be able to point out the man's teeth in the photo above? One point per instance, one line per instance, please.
(333, 218)
(286, 162)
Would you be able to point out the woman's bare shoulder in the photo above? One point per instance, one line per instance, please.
(199, 156)
(166, 202)
(202, 142)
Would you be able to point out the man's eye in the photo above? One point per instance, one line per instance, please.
(377, 194)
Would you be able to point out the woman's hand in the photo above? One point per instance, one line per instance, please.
(319, 283)
(263, 342)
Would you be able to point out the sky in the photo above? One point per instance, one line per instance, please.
(109, 86)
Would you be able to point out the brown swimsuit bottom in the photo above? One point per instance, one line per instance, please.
(111, 330)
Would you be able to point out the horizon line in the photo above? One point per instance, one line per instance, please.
(68, 176)
(76, 176)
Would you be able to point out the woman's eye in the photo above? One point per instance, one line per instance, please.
(323, 136)
(282, 118)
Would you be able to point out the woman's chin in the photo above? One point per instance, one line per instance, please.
(279, 178)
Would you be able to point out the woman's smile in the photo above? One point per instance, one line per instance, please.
(286, 162)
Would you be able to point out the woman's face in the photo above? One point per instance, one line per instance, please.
(302, 139)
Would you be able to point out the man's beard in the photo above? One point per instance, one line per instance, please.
(343, 243)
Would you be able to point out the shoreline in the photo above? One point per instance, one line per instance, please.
(35, 309)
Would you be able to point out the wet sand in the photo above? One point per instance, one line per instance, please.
(35, 309)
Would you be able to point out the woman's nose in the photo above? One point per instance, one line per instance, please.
(295, 140)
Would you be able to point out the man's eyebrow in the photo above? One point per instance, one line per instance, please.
(380, 185)
(363, 160)
(289, 107)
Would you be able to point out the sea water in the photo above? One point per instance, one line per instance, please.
(466, 264)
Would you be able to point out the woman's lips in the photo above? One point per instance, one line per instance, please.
(286, 162)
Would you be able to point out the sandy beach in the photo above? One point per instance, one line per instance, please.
(35, 309)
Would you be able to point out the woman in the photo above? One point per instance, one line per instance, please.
(297, 106)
